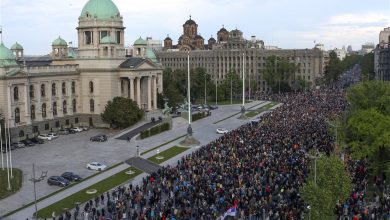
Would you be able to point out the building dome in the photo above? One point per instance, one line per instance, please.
(59, 42)
(16, 46)
(190, 22)
(100, 9)
(140, 42)
(198, 37)
(167, 38)
(7, 58)
(107, 40)
(212, 39)
(223, 29)
(151, 55)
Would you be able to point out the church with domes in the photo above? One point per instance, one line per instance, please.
(72, 86)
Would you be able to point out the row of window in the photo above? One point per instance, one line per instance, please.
(54, 107)
(53, 90)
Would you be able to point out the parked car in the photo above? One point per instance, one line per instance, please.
(71, 176)
(96, 166)
(18, 144)
(222, 131)
(28, 143)
(255, 121)
(36, 140)
(45, 137)
(63, 131)
(53, 135)
(70, 131)
(58, 181)
(99, 138)
(76, 129)
(213, 107)
(85, 128)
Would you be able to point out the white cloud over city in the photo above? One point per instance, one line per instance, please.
(284, 23)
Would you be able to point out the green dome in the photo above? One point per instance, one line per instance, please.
(7, 58)
(107, 40)
(140, 41)
(59, 42)
(72, 54)
(16, 46)
(151, 55)
(100, 9)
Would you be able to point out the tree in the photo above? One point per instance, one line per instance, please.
(231, 85)
(122, 112)
(278, 73)
(333, 183)
(333, 69)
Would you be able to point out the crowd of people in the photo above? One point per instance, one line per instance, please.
(253, 172)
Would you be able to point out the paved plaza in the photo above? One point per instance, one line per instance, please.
(73, 152)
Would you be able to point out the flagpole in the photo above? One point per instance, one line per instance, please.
(1, 146)
(242, 116)
(6, 154)
(9, 145)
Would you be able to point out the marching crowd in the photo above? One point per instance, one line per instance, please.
(253, 172)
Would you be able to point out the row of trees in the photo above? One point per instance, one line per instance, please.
(367, 128)
(336, 67)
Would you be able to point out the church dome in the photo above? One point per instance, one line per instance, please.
(100, 9)
(107, 40)
(190, 22)
(151, 55)
(140, 41)
(7, 58)
(16, 46)
(59, 42)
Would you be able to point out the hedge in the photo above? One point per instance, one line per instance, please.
(199, 115)
(155, 130)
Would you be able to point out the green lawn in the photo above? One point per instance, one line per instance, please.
(82, 196)
(16, 182)
(261, 109)
(227, 102)
(167, 154)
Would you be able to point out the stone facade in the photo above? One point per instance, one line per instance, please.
(65, 91)
(382, 61)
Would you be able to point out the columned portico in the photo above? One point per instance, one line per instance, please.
(131, 87)
(154, 91)
(138, 91)
(149, 93)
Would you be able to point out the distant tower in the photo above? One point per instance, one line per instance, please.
(211, 42)
(167, 43)
(59, 49)
(140, 47)
(349, 49)
(222, 35)
(17, 50)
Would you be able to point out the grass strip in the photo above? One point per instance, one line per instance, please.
(223, 119)
(261, 109)
(58, 191)
(81, 196)
(167, 154)
(154, 148)
(15, 182)
(235, 101)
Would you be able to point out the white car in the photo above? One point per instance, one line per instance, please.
(96, 166)
(77, 129)
(222, 131)
(52, 135)
(45, 137)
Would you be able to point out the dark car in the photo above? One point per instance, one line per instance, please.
(18, 144)
(28, 143)
(71, 176)
(58, 181)
(36, 140)
(70, 131)
(99, 138)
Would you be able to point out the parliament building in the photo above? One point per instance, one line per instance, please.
(72, 86)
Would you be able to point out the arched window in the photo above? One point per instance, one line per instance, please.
(16, 93)
(44, 110)
(91, 105)
(17, 115)
(90, 87)
(21, 133)
(64, 108)
(53, 89)
(63, 88)
(32, 92)
(43, 90)
(74, 105)
(73, 87)
(54, 108)
(32, 111)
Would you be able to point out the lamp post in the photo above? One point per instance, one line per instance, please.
(243, 88)
(1, 143)
(205, 91)
(216, 91)
(36, 180)
(9, 147)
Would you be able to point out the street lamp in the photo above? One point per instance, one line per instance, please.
(37, 180)
(243, 88)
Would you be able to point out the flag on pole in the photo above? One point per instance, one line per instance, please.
(231, 211)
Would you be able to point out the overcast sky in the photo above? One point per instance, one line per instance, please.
(283, 23)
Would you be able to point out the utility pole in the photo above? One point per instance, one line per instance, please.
(9, 145)
(7, 149)
(205, 96)
(36, 180)
(231, 90)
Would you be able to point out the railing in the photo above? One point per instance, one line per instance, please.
(52, 69)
